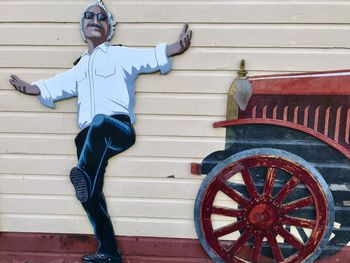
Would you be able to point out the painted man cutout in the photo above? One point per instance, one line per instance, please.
(103, 80)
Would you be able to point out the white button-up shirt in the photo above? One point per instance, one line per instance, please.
(104, 81)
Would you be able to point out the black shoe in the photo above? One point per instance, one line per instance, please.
(81, 183)
(100, 258)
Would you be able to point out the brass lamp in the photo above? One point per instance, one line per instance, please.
(239, 94)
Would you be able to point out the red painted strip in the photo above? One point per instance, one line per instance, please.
(285, 113)
(264, 112)
(317, 115)
(296, 114)
(301, 74)
(275, 112)
(142, 259)
(306, 116)
(287, 124)
(342, 256)
(347, 131)
(19, 257)
(38, 257)
(18, 247)
(254, 113)
(326, 121)
(337, 125)
(311, 83)
(20, 243)
(196, 168)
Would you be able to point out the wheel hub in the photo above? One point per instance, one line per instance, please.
(262, 216)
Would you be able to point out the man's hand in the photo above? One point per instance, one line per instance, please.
(182, 44)
(23, 86)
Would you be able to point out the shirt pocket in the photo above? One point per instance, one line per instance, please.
(105, 72)
(81, 76)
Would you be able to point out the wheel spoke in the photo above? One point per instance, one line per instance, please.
(227, 212)
(223, 231)
(269, 182)
(249, 183)
(287, 189)
(234, 195)
(237, 246)
(295, 242)
(256, 251)
(276, 251)
(298, 222)
(297, 204)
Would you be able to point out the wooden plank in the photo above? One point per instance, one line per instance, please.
(43, 187)
(120, 166)
(15, 122)
(75, 224)
(221, 35)
(190, 11)
(145, 146)
(80, 225)
(117, 207)
(156, 188)
(36, 165)
(130, 208)
(216, 59)
(217, 82)
(146, 103)
(153, 125)
(68, 205)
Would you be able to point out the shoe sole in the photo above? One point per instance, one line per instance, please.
(81, 188)
(96, 259)
(101, 260)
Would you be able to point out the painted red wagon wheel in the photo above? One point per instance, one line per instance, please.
(262, 216)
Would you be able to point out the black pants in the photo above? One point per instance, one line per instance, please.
(104, 138)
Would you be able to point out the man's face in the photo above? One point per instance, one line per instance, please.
(95, 26)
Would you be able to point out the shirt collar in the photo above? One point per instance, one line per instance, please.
(104, 47)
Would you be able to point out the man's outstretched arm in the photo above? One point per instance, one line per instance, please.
(182, 44)
(144, 61)
(24, 87)
(62, 86)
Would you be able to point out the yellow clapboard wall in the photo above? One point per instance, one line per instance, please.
(149, 188)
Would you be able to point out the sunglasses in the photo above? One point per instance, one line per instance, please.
(91, 15)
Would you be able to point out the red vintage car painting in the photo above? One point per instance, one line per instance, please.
(279, 190)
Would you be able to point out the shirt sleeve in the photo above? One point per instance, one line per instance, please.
(60, 87)
(148, 60)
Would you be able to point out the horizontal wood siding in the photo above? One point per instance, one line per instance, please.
(149, 188)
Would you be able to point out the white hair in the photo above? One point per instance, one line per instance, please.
(111, 22)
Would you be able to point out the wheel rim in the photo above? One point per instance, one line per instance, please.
(265, 214)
